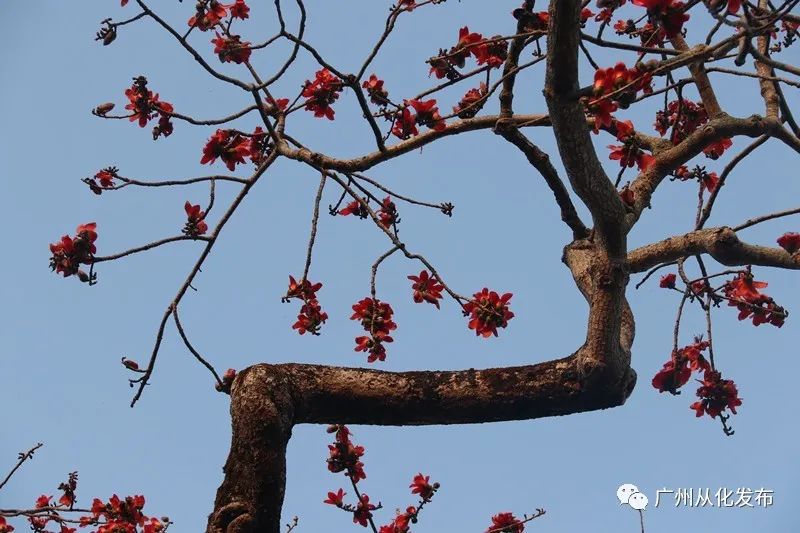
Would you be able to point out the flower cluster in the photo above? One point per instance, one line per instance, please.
(387, 213)
(629, 153)
(709, 181)
(377, 94)
(685, 117)
(488, 311)
(491, 52)
(356, 207)
(311, 315)
(70, 252)
(103, 179)
(716, 395)
(344, 456)
(376, 319)
(789, 242)
(667, 281)
(228, 145)
(472, 102)
(667, 14)
(678, 369)
(427, 114)
(321, 93)
(209, 14)
(144, 106)
(195, 220)
(615, 86)
(648, 34)
(426, 288)
(742, 292)
(505, 523)
(231, 49)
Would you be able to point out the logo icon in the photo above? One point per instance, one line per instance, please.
(628, 494)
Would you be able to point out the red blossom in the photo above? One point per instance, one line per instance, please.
(667, 281)
(321, 93)
(144, 106)
(208, 16)
(355, 207)
(789, 242)
(240, 10)
(387, 213)
(668, 13)
(427, 114)
(303, 289)
(344, 456)
(375, 90)
(43, 501)
(408, 4)
(420, 485)
(231, 49)
(363, 512)
(405, 124)
(683, 116)
(426, 288)
(311, 318)
(228, 145)
(505, 523)
(742, 292)
(488, 311)
(5, 527)
(336, 498)
(376, 319)
(195, 223)
(717, 148)
(716, 395)
(471, 102)
(491, 53)
(70, 252)
(672, 377)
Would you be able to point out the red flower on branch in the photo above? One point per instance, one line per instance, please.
(208, 16)
(742, 293)
(70, 252)
(488, 311)
(491, 53)
(310, 319)
(668, 13)
(240, 10)
(231, 49)
(4, 526)
(387, 213)
(505, 523)
(421, 485)
(375, 90)
(303, 289)
(363, 512)
(667, 281)
(471, 102)
(717, 148)
(355, 208)
(344, 456)
(376, 319)
(228, 145)
(427, 114)
(321, 93)
(716, 395)
(789, 242)
(405, 124)
(144, 106)
(195, 223)
(336, 498)
(672, 376)
(426, 288)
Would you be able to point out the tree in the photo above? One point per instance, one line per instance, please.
(268, 400)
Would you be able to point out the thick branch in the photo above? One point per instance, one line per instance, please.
(720, 243)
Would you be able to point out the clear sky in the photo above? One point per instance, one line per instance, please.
(61, 341)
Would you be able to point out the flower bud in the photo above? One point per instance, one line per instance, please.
(103, 109)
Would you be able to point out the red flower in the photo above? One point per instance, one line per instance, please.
(355, 208)
(709, 181)
(716, 395)
(310, 319)
(240, 10)
(376, 319)
(789, 242)
(404, 124)
(601, 109)
(208, 17)
(387, 214)
(363, 513)
(667, 281)
(153, 525)
(488, 311)
(717, 148)
(671, 378)
(427, 114)
(70, 252)
(426, 288)
(231, 49)
(336, 498)
(505, 523)
(4, 527)
(228, 145)
(408, 4)
(742, 293)
(303, 289)
(493, 53)
(144, 105)
(43, 501)
(321, 93)
(105, 177)
(195, 223)
(375, 90)
(471, 102)
(420, 485)
(464, 46)
(668, 12)
(683, 116)
(344, 456)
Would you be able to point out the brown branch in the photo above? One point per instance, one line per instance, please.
(720, 243)
(701, 80)
(23, 456)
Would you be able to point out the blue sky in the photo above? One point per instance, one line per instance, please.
(62, 340)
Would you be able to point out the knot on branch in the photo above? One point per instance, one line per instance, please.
(232, 518)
